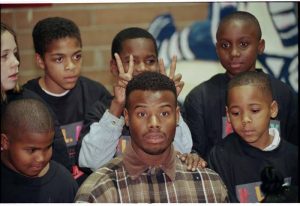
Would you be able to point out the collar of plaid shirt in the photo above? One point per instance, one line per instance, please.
(136, 166)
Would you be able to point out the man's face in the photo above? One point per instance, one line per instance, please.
(143, 52)
(237, 46)
(62, 64)
(152, 117)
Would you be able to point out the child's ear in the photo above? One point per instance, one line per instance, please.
(4, 142)
(114, 67)
(227, 114)
(39, 61)
(126, 117)
(261, 46)
(274, 109)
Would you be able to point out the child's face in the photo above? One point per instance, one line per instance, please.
(237, 46)
(249, 111)
(9, 61)
(143, 52)
(62, 64)
(29, 153)
(151, 117)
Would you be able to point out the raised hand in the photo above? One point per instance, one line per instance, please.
(126, 76)
(176, 78)
(119, 87)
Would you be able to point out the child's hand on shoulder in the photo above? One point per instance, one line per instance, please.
(192, 160)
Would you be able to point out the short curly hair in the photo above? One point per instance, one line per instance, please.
(53, 28)
(150, 81)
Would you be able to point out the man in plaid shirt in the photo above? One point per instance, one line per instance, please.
(149, 171)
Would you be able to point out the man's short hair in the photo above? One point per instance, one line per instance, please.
(150, 81)
(53, 28)
(130, 33)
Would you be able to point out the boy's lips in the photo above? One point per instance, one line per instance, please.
(235, 65)
(248, 132)
(71, 79)
(38, 167)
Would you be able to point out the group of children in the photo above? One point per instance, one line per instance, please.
(88, 122)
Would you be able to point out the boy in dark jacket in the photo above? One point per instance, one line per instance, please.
(241, 156)
(27, 173)
(58, 47)
(239, 42)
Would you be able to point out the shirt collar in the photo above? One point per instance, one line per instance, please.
(276, 140)
(136, 166)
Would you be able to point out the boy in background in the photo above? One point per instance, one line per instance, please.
(58, 47)
(27, 173)
(149, 171)
(240, 158)
(239, 42)
(133, 51)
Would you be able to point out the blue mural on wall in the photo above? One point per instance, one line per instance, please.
(279, 24)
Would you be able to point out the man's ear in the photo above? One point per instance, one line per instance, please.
(114, 67)
(4, 142)
(274, 109)
(227, 114)
(126, 117)
(39, 61)
(261, 46)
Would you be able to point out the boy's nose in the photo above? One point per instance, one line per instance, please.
(70, 66)
(246, 119)
(39, 158)
(141, 67)
(235, 52)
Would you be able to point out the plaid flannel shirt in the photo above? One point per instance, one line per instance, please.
(113, 184)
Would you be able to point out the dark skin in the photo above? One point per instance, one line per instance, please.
(125, 72)
(238, 46)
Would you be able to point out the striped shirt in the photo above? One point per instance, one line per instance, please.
(113, 184)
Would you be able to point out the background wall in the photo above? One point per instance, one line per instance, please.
(98, 24)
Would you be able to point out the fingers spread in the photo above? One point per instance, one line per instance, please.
(131, 66)
(161, 65)
(173, 67)
(119, 63)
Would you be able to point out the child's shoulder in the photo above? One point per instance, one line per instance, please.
(291, 148)
(215, 83)
(277, 84)
(229, 145)
(59, 173)
(216, 79)
(90, 84)
(86, 80)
